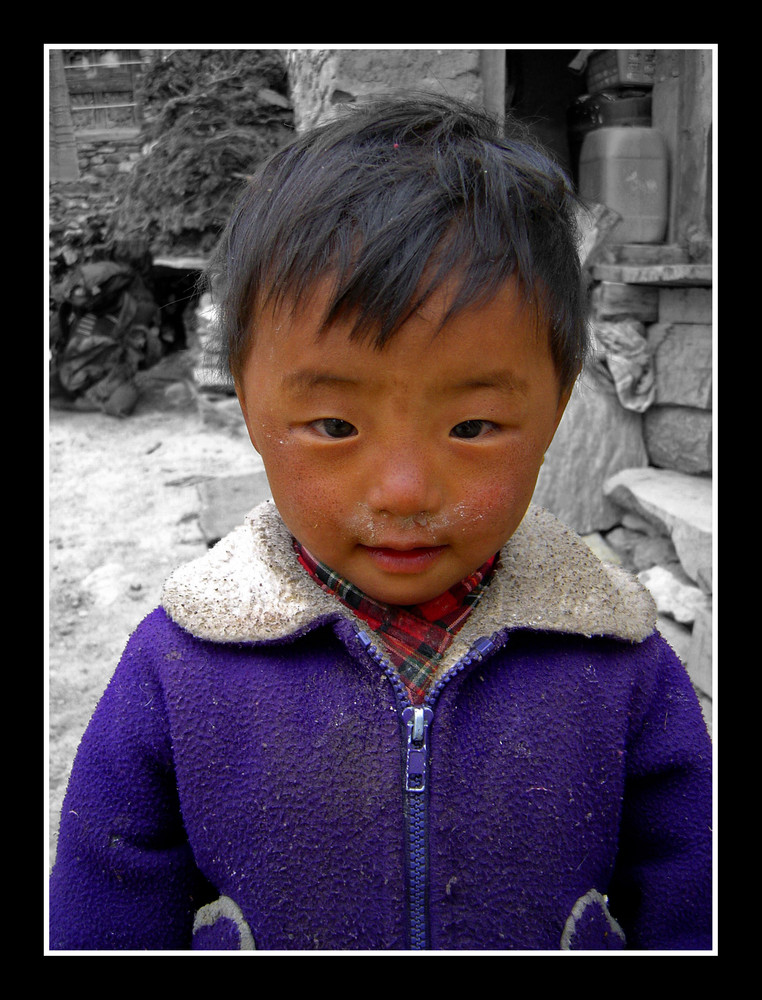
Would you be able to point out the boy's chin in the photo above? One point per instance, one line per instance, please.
(405, 577)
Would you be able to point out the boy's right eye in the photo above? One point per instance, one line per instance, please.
(332, 427)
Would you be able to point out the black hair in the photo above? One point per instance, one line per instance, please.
(392, 198)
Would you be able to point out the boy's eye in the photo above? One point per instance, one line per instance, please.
(334, 428)
(471, 429)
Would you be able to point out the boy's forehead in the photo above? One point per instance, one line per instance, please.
(496, 344)
(436, 312)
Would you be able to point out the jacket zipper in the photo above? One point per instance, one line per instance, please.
(417, 721)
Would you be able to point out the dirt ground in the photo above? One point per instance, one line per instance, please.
(123, 511)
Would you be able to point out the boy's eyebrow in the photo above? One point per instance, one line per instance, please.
(504, 380)
(307, 378)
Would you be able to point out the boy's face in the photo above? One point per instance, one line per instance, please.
(404, 469)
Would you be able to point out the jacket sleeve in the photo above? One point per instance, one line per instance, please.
(124, 875)
(661, 891)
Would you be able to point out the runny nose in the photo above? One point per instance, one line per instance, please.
(402, 484)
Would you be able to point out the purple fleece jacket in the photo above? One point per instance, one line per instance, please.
(254, 778)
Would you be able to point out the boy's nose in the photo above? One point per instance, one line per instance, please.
(403, 484)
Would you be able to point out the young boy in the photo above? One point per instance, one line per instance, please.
(399, 708)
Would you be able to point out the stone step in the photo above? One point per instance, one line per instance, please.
(226, 500)
(581, 458)
(679, 505)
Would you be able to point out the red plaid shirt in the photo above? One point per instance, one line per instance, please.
(414, 637)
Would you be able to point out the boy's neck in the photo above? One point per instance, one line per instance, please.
(414, 637)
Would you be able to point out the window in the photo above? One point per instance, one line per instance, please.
(102, 84)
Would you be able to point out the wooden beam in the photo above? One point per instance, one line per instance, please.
(675, 275)
(682, 111)
(492, 67)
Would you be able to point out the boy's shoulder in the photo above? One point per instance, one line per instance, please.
(551, 580)
(250, 588)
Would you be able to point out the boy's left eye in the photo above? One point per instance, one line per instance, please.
(467, 429)
(332, 427)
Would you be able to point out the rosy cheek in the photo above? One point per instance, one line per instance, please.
(496, 507)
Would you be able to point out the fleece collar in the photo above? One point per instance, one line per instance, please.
(250, 588)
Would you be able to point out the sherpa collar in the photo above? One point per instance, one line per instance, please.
(250, 588)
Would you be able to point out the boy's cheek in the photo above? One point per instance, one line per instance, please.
(495, 510)
(300, 490)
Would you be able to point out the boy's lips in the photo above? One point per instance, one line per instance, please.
(403, 559)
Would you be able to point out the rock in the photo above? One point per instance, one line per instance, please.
(685, 305)
(637, 523)
(598, 545)
(652, 550)
(623, 540)
(226, 500)
(180, 396)
(679, 438)
(679, 600)
(641, 549)
(221, 411)
(582, 457)
(679, 505)
(107, 584)
(682, 364)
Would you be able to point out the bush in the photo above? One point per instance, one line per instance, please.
(211, 116)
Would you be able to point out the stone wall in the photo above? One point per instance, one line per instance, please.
(678, 427)
(322, 78)
(102, 156)
(666, 532)
(80, 211)
(664, 415)
(634, 474)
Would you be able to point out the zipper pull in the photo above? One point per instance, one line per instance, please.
(483, 646)
(417, 719)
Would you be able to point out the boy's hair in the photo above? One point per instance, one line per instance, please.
(390, 200)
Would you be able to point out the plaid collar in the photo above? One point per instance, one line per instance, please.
(414, 637)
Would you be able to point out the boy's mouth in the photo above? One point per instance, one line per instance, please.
(410, 559)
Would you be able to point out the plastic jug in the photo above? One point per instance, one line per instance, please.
(626, 168)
